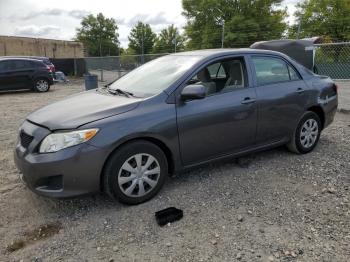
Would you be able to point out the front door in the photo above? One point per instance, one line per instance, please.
(224, 121)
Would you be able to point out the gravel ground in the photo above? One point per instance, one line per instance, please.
(344, 95)
(271, 206)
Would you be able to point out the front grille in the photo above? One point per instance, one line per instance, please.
(25, 139)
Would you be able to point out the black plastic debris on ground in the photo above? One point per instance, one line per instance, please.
(168, 215)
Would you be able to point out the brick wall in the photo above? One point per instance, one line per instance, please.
(12, 45)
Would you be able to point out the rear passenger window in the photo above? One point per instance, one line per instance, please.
(7, 65)
(19, 64)
(293, 74)
(37, 64)
(272, 70)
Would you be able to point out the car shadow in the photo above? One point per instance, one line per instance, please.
(227, 163)
(82, 205)
(16, 92)
(25, 91)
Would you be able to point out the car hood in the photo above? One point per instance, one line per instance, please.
(81, 109)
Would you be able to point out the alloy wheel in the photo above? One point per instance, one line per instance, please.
(42, 85)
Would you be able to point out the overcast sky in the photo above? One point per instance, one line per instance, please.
(59, 19)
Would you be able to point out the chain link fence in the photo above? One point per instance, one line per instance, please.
(110, 68)
(333, 60)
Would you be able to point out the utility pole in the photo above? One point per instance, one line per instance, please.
(222, 33)
(142, 48)
(299, 27)
(175, 41)
(100, 43)
(100, 47)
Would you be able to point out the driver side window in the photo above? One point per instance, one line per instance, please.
(217, 71)
(222, 76)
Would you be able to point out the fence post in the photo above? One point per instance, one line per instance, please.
(223, 34)
(101, 74)
(75, 67)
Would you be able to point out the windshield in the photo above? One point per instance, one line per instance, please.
(155, 76)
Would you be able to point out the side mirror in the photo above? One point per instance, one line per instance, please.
(192, 92)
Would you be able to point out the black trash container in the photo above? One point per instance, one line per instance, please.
(90, 82)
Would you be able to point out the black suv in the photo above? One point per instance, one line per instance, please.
(25, 73)
(44, 59)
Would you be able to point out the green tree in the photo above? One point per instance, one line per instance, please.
(128, 57)
(244, 22)
(99, 35)
(142, 38)
(169, 41)
(327, 18)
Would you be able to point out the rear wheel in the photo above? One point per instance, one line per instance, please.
(41, 85)
(136, 172)
(306, 135)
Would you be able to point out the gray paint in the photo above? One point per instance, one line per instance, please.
(80, 109)
(195, 132)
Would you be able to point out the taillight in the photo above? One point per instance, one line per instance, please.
(49, 68)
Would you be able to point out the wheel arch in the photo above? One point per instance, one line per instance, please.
(162, 145)
(317, 109)
(36, 78)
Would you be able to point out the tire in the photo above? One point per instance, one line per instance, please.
(124, 177)
(41, 85)
(310, 125)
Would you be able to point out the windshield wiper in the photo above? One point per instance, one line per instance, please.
(119, 91)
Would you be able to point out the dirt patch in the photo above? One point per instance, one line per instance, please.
(40, 233)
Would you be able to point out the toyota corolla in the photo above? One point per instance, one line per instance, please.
(170, 114)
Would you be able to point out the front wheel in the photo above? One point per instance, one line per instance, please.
(306, 135)
(41, 85)
(136, 172)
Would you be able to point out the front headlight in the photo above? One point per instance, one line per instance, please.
(57, 141)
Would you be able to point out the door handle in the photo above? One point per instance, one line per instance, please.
(300, 90)
(248, 100)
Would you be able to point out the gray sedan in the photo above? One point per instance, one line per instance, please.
(173, 113)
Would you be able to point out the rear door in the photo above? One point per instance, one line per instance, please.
(281, 95)
(6, 77)
(21, 72)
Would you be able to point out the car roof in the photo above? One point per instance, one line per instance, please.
(4, 58)
(41, 58)
(227, 51)
(24, 56)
